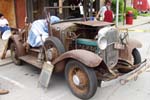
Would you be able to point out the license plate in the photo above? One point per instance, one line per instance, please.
(118, 46)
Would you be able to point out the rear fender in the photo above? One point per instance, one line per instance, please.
(19, 45)
(127, 52)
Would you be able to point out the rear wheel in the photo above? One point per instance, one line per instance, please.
(54, 47)
(14, 55)
(81, 80)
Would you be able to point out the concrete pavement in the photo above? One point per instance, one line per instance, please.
(8, 59)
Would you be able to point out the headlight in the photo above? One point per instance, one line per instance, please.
(102, 43)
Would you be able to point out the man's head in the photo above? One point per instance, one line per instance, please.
(108, 3)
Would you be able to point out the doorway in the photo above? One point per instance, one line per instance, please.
(35, 9)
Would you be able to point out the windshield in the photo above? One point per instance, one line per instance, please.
(64, 13)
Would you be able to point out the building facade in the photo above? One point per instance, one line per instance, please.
(5, 6)
(16, 10)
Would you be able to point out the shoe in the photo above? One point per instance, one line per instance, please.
(3, 91)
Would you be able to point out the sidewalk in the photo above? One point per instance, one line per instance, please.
(136, 22)
(8, 58)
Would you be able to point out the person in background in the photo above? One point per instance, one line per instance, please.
(108, 15)
(40, 27)
(3, 24)
(3, 27)
(101, 12)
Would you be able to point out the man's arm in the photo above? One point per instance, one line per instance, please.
(97, 16)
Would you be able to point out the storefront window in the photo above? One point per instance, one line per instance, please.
(35, 8)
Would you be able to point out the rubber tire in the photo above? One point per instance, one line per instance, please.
(91, 76)
(136, 56)
(57, 43)
(16, 60)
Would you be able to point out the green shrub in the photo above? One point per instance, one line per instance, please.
(121, 8)
(135, 12)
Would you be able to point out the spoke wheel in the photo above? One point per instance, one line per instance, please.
(81, 80)
(14, 55)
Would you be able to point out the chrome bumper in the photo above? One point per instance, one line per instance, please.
(134, 74)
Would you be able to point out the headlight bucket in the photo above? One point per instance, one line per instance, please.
(102, 42)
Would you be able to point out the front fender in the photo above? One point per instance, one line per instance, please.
(133, 43)
(127, 52)
(86, 57)
(19, 46)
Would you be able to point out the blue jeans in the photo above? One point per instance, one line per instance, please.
(3, 29)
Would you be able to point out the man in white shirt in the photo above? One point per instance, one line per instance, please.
(3, 21)
(101, 12)
(3, 24)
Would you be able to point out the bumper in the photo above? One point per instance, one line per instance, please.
(134, 74)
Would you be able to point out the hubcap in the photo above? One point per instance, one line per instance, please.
(76, 80)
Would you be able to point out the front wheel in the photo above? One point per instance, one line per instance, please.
(81, 80)
(136, 56)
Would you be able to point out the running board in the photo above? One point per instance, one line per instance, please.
(32, 60)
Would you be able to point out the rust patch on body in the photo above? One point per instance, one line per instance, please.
(86, 57)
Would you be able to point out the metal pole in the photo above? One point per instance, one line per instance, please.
(124, 12)
(60, 5)
(117, 12)
(91, 8)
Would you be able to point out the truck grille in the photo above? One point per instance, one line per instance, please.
(111, 54)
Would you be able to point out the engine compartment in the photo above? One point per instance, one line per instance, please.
(84, 38)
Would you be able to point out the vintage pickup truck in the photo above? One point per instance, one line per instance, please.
(88, 52)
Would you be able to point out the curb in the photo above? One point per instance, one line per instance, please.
(138, 24)
(6, 61)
